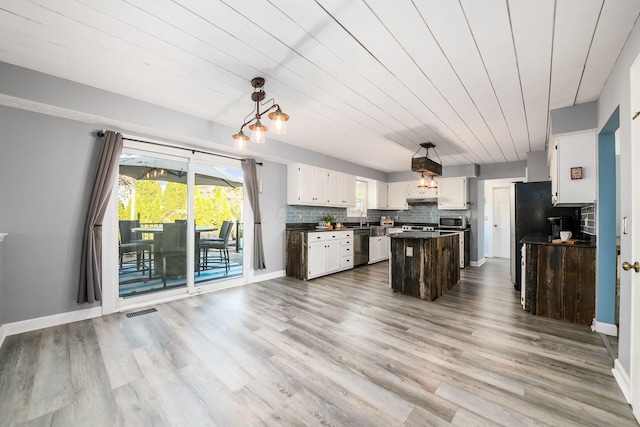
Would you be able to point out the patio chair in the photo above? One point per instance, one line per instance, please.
(173, 250)
(129, 244)
(221, 244)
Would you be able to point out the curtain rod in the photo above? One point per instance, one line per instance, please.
(193, 150)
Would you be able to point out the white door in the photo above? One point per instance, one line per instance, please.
(501, 222)
(630, 248)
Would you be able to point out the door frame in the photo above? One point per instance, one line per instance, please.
(487, 222)
(111, 301)
(630, 248)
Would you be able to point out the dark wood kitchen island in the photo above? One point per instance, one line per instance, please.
(424, 264)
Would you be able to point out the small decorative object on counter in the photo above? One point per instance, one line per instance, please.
(328, 219)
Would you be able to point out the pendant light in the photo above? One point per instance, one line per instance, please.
(258, 130)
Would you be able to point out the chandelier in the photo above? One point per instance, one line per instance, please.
(278, 118)
(426, 166)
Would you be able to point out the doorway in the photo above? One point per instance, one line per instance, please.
(178, 225)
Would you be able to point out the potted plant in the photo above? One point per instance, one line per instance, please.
(328, 219)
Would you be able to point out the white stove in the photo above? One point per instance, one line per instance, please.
(418, 228)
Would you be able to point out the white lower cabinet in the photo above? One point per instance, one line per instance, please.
(326, 252)
(379, 247)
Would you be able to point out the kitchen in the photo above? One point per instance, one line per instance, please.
(445, 206)
(352, 119)
(444, 209)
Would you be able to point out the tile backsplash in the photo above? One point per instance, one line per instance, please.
(420, 213)
(588, 219)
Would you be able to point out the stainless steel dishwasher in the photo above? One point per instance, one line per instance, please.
(361, 246)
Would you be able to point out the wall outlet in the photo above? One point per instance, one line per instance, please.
(409, 251)
(299, 216)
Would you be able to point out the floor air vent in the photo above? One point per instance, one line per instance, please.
(141, 312)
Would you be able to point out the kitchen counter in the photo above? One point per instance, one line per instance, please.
(424, 264)
(559, 280)
(544, 240)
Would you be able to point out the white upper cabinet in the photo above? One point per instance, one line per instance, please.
(341, 189)
(309, 185)
(397, 196)
(453, 193)
(349, 190)
(382, 192)
(573, 169)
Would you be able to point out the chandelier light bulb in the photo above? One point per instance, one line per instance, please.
(423, 182)
(278, 122)
(257, 132)
(241, 141)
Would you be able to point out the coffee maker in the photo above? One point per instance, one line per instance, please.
(558, 224)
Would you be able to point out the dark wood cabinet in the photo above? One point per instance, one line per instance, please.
(424, 267)
(561, 282)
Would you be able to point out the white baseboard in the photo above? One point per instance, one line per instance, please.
(622, 378)
(268, 276)
(478, 263)
(49, 321)
(604, 328)
(3, 334)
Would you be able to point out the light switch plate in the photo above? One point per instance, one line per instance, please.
(409, 251)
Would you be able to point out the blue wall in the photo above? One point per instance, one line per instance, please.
(606, 252)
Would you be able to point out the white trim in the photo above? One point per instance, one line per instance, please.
(3, 334)
(478, 263)
(622, 379)
(604, 328)
(53, 320)
(268, 276)
(3, 235)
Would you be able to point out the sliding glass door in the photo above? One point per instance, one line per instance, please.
(179, 221)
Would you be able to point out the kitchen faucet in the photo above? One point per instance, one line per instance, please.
(361, 219)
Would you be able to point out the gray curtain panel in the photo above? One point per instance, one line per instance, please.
(90, 287)
(251, 187)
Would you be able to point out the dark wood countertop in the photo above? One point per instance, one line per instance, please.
(544, 240)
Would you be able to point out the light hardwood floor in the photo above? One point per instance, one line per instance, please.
(338, 350)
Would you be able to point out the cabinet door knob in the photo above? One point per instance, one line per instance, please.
(627, 266)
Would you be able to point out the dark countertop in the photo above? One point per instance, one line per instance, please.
(544, 240)
(422, 234)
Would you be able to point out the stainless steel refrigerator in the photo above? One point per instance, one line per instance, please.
(530, 209)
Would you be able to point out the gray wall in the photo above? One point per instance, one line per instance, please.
(273, 206)
(537, 168)
(616, 93)
(46, 174)
(476, 195)
(2, 299)
(576, 118)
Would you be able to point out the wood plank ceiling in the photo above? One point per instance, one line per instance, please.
(363, 80)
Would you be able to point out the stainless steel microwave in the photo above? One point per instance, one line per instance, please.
(453, 221)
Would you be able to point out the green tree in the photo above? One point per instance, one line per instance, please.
(174, 202)
(204, 212)
(148, 204)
